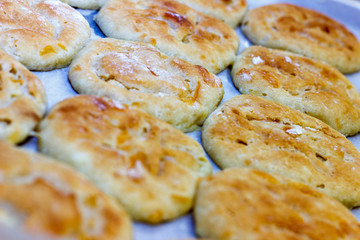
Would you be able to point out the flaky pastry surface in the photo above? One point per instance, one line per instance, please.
(173, 28)
(22, 100)
(308, 85)
(251, 131)
(137, 74)
(45, 198)
(303, 31)
(41, 34)
(250, 204)
(143, 162)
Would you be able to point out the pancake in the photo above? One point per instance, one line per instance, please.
(250, 204)
(175, 29)
(303, 31)
(251, 131)
(144, 163)
(310, 86)
(137, 74)
(41, 34)
(231, 12)
(22, 100)
(41, 197)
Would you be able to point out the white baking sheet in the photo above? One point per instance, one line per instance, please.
(58, 88)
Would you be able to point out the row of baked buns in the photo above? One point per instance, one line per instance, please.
(178, 92)
(153, 171)
(46, 34)
(285, 172)
(128, 142)
(172, 89)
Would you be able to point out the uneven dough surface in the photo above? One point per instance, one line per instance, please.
(231, 12)
(307, 85)
(137, 74)
(251, 131)
(22, 100)
(143, 162)
(250, 204)
(174, 28)
(303, 31)
(43, 197)
(41, 34)
(86, 4)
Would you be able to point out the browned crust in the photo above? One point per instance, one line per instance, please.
(144, 163)
(174, 28)
(137, 74)
(41, 196)
(42, 35)
(250, 131)
(303, 31)
(229, 11)
(22, 100)
(307, 85)
(250, 204)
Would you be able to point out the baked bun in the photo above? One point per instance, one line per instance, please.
(251, 131)
(310, 86)
(175, 29)
(43, 197)
(22, 100)
(137, 74)
(86, 4)
(231, 12)
(143, 162)
(303, 31)
(41, 34)
(250, 204)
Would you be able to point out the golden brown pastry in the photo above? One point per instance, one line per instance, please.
(22, 100)
(41, 34)
(144, 163)
(175, 29)
(86, 4)
(250, 204)
(229, 11)
(42, 197)
(310, 86)
(303, 31)
(251, 131)
(137, 74)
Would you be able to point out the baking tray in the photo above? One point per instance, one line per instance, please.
(58, 88)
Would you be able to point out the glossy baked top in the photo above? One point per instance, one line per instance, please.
(22, 100)
(43, 197)
(41, 34)
(250, 204)
(308, 85)
(303, 31)
(173, 28)
(145, 163)
(138, 74)
(251, 131)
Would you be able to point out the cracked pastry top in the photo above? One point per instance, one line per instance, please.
(304, 31)
(251, 204)
(308, 85)
(144, 163)
(44, 198)
(254, 132)
(41, 34)
(22, 100)
(137, 74)
(174, 28)
(229, 11)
